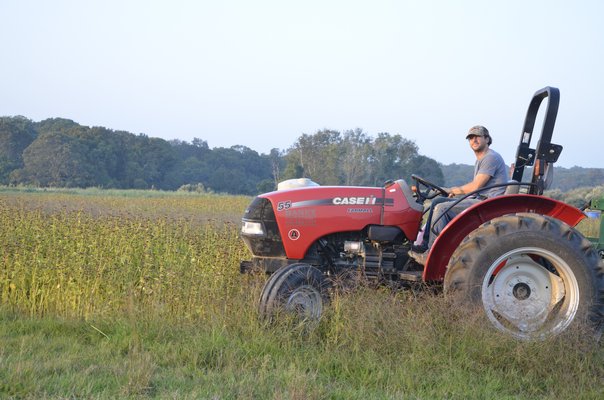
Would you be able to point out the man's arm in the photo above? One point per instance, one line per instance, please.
(479, 181)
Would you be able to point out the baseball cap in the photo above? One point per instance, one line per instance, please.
(478, 130)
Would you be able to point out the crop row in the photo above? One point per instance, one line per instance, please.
(75, 262)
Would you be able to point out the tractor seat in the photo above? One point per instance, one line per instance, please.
(409, 195)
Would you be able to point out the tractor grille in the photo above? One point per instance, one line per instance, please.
(270, 244)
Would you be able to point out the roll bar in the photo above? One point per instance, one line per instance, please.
(546, 152)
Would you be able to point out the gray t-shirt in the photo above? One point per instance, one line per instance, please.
(493, 165)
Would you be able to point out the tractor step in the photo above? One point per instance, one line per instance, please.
(413, 276)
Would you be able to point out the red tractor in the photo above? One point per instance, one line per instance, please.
(516, 256)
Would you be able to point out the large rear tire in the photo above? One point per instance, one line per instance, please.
(298, 289)
(534, 276)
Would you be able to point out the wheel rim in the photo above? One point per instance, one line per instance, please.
(306, 302)
(530, 292)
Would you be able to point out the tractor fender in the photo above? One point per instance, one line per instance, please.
(476, 215)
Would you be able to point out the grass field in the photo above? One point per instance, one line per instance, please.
(109, 294)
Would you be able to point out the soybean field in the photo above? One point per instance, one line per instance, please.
(137, 294)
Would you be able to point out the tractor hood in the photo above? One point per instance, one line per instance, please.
(293, 219)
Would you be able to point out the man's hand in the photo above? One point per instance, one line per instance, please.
(454, 191)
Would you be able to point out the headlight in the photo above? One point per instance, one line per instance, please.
(252, 228)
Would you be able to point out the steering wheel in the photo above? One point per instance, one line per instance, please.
(431, 190)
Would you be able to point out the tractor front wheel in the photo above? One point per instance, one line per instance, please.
(533, 275)
(298, 289)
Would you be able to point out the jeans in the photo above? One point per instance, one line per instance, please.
(439, 207)
(427, 229)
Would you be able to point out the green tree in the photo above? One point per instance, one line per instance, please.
(55, 125)
(567, 179)
(392, 158)
(427, 168)
(317, 156)
(237, 169)
(16, 133)
(277, 164)
(148, 162)
(457, 174)
(190, 163)
(58, 160)
(355, 159)
(356, 152)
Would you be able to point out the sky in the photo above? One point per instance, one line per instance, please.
(262, 73)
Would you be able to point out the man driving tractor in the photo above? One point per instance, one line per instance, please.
(489, 169)
(517, 257)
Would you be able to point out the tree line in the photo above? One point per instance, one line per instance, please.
(59, 152)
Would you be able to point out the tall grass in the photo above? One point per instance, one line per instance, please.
(111, 296)
(105, 259)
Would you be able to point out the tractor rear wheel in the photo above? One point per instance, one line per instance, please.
(299, 289)
(533, 275)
